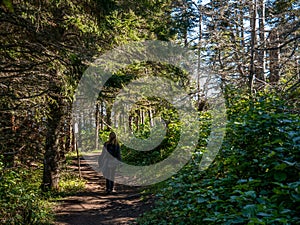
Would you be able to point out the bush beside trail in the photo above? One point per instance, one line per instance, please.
(255, 179)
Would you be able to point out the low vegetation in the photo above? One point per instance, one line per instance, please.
(21, 198)
(255, 179)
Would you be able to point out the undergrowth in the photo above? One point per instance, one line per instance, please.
(255, 179)
(21, 198)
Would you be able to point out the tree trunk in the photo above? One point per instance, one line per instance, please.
(199, 54)
(274, 55)
(142, 116)
(97, 126)
(150, 117)
(136, 120)
(101, 115)
(261, 70)
(79, 129)
(130, 118)
(185, 26)
(253, 43)
(69, 135)
(241, 21)
(51, 158)
(108, 114)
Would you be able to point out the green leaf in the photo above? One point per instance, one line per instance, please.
(280, 166)
(249, 210)
(264, 214)
(251, 194)
(237, 220)
(296, 197)
(280, 176)
(296, 139)
(285, 211)
(212, 219)
(201, 200)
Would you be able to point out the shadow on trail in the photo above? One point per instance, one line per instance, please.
(94, 206)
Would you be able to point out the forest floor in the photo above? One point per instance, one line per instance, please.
(93, 206)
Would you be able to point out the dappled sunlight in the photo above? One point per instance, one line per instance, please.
(94, 206)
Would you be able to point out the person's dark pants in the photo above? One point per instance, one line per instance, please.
(110, 182)
(109, 185)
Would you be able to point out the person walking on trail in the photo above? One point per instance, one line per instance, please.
(108, 160)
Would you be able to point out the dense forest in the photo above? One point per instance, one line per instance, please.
(252, 47)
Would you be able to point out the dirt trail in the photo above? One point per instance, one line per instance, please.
(94, 207)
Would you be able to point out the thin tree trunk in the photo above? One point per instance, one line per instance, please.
(150, 117)
(142, 116)
(185, 21)
(78, 159)
(97, 126)
(74, 141)
(122, 122)
(101, 115)
(199, 55)
(136, 120)
(262, 45)
(130, 123)
(69, 136)
(241, 21)
(274, 57)
(80, 125)
(252, 47)
(108, 113)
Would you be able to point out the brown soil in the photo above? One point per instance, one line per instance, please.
(93, 206)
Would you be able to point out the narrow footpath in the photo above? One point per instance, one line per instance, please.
(95, 207)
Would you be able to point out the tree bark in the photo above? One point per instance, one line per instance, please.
(69, 135)
(274, 57)
(142, 115)
(52, 147)
(101, 115)
(108, 113)
(150, 117)
(252, 44)
(199, 54)
(261, 70)
(97, 113)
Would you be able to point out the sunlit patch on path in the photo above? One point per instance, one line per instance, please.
(93, 206)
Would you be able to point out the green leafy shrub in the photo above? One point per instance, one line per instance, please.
(21, 201)
(255, 178)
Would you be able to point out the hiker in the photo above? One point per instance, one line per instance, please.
(107, 165)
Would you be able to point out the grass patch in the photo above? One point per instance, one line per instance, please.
(70, 183)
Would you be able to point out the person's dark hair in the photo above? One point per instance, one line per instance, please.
(113, 139)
